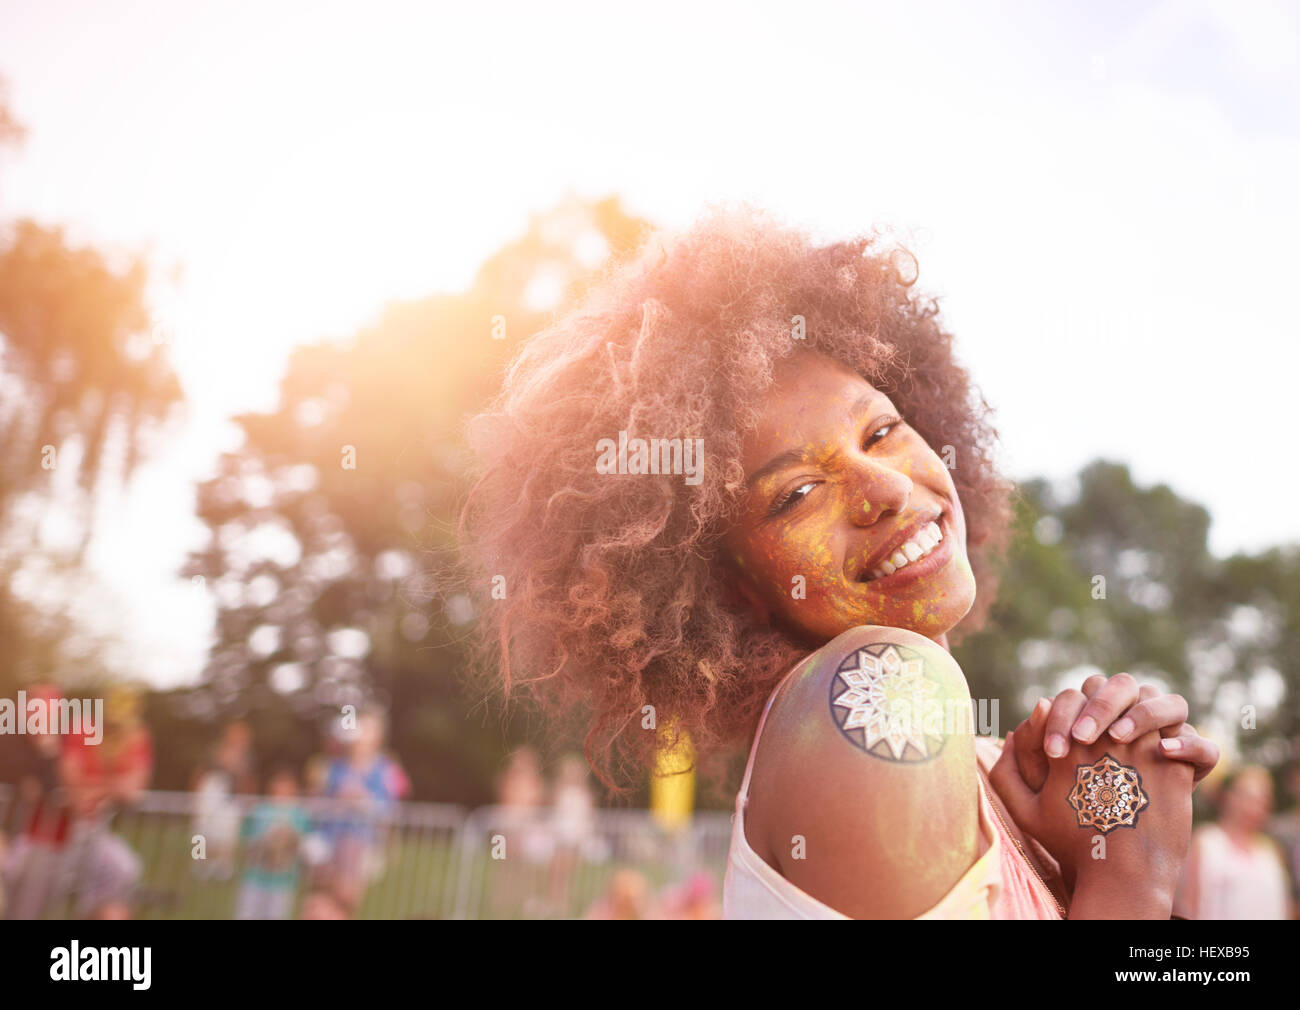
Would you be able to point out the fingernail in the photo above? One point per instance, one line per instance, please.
(1122, 729)
(1056, 746)
(1084, 729)
(1171, 744)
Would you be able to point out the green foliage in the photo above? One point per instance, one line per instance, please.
(1171, 612)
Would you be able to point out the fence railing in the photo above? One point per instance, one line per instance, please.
(190, 857)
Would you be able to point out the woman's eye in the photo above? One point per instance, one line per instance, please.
(792, 497)
(880, 433)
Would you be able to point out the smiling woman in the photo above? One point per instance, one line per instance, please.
(852, 499)
(846, 509)
(624, 590)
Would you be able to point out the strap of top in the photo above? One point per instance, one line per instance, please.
(753, 748)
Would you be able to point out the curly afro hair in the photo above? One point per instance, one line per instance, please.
(614, 595)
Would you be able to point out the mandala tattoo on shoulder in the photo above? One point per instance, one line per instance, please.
(883, 703)
(1107, 795)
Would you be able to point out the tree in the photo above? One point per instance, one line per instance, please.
(83, 389)
(1119, 577)
(328, 522)
(81, 371)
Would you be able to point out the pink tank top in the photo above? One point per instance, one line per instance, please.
(1000, 884)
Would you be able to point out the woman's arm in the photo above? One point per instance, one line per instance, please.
(1103, 895)
(855, 797)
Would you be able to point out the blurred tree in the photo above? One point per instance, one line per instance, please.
(83, 388)
(327, 520)
(1110, 576)
(1248, 658)
(80, 367)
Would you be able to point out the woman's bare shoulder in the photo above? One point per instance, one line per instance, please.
(864, 787)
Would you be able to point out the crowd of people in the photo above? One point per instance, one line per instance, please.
(319, 831)
(280, 834)
(68, 790)
(288, 839)
(551, 830)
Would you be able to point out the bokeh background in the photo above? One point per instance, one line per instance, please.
(235, 240)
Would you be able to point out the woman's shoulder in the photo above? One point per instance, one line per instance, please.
(887, 692)
(897, 658)
(866, 755)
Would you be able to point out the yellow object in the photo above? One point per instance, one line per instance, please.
(672, 786)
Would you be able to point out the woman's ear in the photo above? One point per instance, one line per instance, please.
(739, 594)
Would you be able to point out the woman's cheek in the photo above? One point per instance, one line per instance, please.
(795, 569)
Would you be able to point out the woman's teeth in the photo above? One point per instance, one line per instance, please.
(914, 550)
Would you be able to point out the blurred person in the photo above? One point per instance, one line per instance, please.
(1285, 829)
(521, 795)
(696, 898)
(521, 786)
(315, 774)
(316, 846)
(227, 772)
(273, 834)
(749, 460)
(572, 824)
(322, 904)
(629, 897)
(1234, 870)
(368, 782)
(42, 817)
(99, 780)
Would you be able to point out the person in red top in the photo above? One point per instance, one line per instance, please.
(41, 818)
(99, 778)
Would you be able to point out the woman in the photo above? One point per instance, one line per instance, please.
(1235, 871)
(743, 468)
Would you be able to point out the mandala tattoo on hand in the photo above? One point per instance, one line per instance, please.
(1107, 795)
(884, 703)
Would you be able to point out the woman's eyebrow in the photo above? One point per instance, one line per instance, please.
(792, 456)
(778, 462)
(864, 402)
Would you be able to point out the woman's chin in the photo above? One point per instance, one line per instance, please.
(928, 620)
(816, 623)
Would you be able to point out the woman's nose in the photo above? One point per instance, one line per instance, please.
(876, 490)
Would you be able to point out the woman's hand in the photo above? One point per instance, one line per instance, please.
(1116, 708)
(1130, 869)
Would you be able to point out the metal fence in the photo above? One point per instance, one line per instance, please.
(191, 859)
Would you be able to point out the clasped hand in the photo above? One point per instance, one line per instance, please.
(1134, 868)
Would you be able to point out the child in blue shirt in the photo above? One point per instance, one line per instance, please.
(272, 834)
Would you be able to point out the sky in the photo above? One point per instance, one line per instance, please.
(1102, 195)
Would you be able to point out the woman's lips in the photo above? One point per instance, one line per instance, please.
(928, 565)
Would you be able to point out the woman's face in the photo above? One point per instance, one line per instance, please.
(840, 491)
